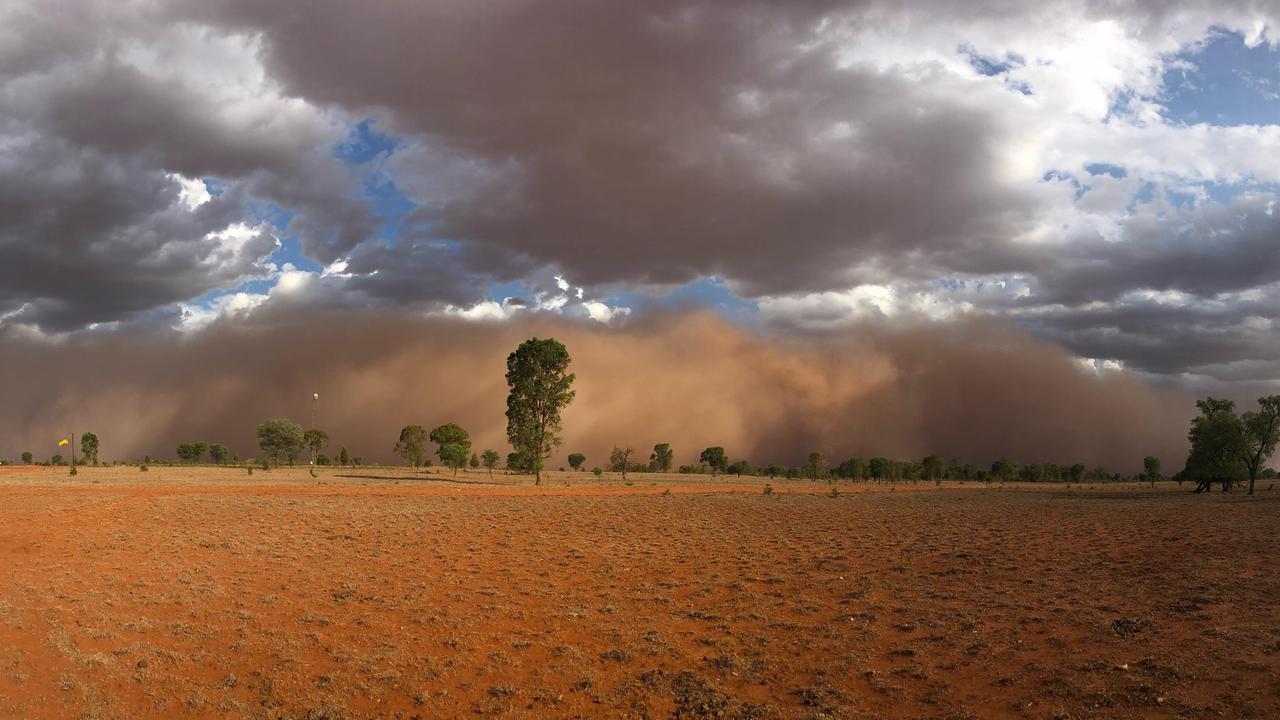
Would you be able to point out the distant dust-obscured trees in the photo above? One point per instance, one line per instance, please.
(490, 460)
(715, 458)
(537, 373)
(620, 459)
(454, 445)
(1227, 448)
(576, 460)
(192, 452)
(27, 458)
(1151, 469)
(661, 457)
(218, 453)
(412, 445)
(89, 448)
(315, 440)
(280, 440)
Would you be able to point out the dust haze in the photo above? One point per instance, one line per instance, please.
(974, 390)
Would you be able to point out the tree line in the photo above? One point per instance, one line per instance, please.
(1226, 448)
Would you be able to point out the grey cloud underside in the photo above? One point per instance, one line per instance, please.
(660, 142)
(622, 143)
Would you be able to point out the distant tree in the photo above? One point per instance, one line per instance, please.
(715, 459)
(932, 468)
(1075, 473)
(1261, 431)
(851, 469)
(281, 439)
(1217, 446)
(515, 463)
(620, 459)
(740, 468)
(89, 448)
(1151, 469)
(192, 452)
(816, 465)
(27, 457)
(661, 457)
(218, 453)
(315, 440)
(454, 445)
(880, 468)
(322, 459)
(344, 458)
(576, 460)
(490, 460)
(537, 373)
(1004, 470)
(55, 460)
(774, 470)
(597, 471)
(412, 445)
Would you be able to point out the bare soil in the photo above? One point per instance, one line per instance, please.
(205, 592)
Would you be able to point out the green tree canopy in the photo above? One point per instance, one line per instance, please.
(1217, 445)
(218, 453)
(412, 445)
(315, 440)
(537, 374)
(715, 458)
(281, 440)
(27, 457)
(192, 452)
(490, 460)
(576, 460)
(89, 448)
(661, 457)
(454, 445)
(1261, 430)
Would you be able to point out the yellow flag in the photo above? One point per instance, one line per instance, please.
(63, 441)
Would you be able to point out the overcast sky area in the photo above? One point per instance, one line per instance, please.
(1103, 174)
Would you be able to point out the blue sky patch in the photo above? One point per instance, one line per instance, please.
(364, 143)
(1223, 82)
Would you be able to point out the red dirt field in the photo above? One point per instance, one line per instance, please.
(376, 593)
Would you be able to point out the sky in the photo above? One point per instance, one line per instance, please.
(1099, 175)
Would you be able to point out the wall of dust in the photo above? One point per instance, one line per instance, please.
(974, 390)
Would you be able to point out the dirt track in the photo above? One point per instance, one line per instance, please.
(196, 593)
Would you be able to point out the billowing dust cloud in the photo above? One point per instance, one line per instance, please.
(969, 390)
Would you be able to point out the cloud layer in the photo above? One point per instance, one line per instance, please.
(825, 162)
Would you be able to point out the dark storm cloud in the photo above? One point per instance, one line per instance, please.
(92, 226)
(1195, 336)
(659, 142)
(621, 144)
(90, 238)
(1207, 251)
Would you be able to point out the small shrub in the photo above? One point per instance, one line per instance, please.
(73, 469)
(834, 492)
(597, 472)
(666, 492)
(143, 468)
(768, 489)
(249, 468)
